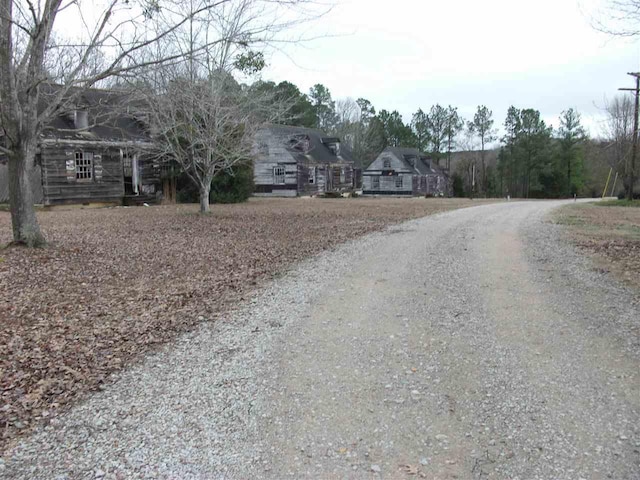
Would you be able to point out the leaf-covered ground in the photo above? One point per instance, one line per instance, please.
(610, 233)
(114, 283)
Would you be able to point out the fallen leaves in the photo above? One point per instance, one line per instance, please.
(612, 234)
(114, 283)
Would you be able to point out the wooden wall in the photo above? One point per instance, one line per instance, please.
(387, 184)
(58, 175)
(270, 152)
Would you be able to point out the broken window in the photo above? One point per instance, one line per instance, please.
(84, 166)
(343, 175)
(386, 163)
(312, 175)
(278, 175)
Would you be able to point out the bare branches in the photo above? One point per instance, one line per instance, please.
(619, 18)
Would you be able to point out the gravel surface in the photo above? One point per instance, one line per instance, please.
(115, 283)
(471, 344)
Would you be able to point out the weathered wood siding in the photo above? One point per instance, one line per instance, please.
(304, 174)
(381, 179)
(270, 152)
(378, 184)
(59, 178)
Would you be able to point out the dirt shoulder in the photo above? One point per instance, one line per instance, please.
(115, 283)
(608, 232)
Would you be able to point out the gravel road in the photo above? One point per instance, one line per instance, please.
(472, 344)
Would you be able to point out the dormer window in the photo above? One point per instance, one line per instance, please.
(81, 119)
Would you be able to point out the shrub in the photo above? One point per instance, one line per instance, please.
(234, 185)
(458, 186)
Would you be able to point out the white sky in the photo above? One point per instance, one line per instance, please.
(404, 55)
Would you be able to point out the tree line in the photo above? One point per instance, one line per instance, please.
(534, 159)
(179, 62)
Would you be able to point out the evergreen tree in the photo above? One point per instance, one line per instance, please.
(323, 106)
(482, 127)
(437, 130)
(396, 132)
(420, 127)
(571, 137)
(454, 125)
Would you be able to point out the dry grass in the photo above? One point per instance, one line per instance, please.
(608, 232)
(114, 283)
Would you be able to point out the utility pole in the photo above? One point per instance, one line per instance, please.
(631, 164)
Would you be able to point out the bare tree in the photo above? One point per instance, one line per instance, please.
(200, 116)
(619, 133)
(113, 41)
(617, 17)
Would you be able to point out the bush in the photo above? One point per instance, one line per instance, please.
(187, 192)
(458, 186)
(233, 186)
(622, 195)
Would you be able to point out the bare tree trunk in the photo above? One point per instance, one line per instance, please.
(204, 198)
(26, 230)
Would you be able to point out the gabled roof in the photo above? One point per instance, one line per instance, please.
(317, 145)
(111, 114)
(422, 164)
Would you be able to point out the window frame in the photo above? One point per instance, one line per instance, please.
(313, 175)
(276, 175)
(386, 163)
(84, 163)
(399, 181)
(375, 183)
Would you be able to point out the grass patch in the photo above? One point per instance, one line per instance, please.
(618, 203)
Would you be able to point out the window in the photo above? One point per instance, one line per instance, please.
(375, 184)
(399, 181)
(84, 166)
(386, 163)
(81, 119)
(278, 175)
(312, 175)
(343, 175)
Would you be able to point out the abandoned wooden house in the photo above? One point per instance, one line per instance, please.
(296, 161)
(93, 152)
(405, 171)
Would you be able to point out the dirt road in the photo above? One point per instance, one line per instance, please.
(469, 345)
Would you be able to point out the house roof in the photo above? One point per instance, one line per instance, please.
(318, 148)
(111, 117)
(422, 164)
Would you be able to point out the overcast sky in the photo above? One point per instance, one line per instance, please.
(409, 54)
